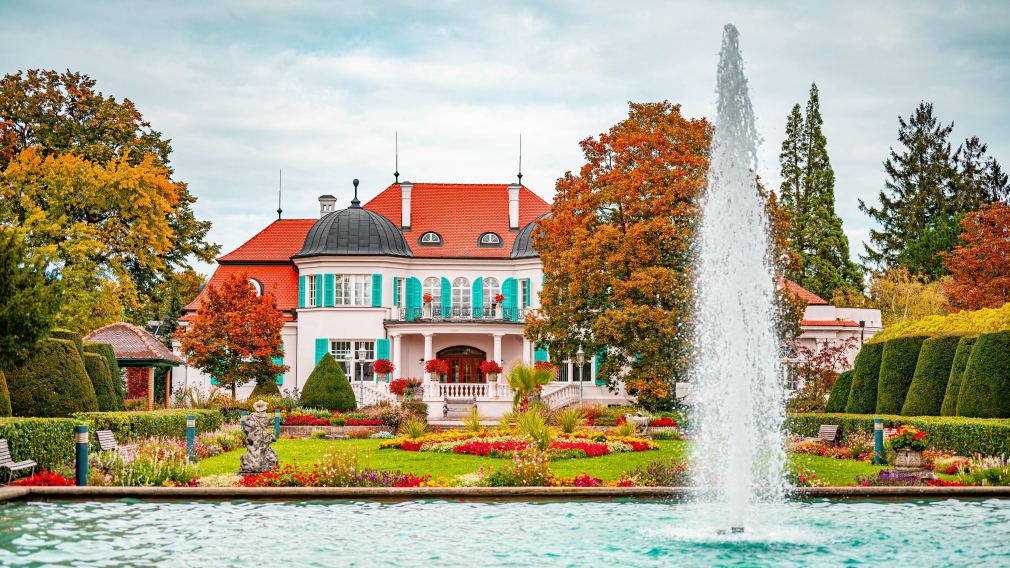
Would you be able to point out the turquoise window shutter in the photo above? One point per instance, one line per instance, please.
(382, 349)
(328, 290)
(528, 301)
(280, 376)
(540, 354)
(396, 286)
(322, 348)
(477, 297)
(510, 289)
(446, 297)
(319, 290)
(599, 359)
(413, 298)
(376, 290)
(301, 291)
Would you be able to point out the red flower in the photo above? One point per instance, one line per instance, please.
(382, 367)
(663, 422)
(44, 479)
(498, 298)
(490, 367)
(436, 366)
(543, 365)
(427, 298)
(398, 386)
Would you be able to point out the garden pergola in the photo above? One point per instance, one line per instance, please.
(139, 352)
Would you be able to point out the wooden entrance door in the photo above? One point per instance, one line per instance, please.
(464, 364)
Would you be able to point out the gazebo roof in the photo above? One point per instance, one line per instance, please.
(134, 346)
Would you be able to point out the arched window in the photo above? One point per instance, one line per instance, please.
(257, 285)
(489, 240)
(491, 289)
(430, 239)
(433, 286)
(461, 294)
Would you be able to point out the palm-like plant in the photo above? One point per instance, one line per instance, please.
(525, 380)
(533, 427)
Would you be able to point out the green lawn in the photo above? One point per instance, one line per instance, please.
(307, 452)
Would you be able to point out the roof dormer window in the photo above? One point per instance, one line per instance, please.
(489, 240)
(430, 239)
(257, 286)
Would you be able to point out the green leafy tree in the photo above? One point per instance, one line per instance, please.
(29, 299)
(808, 194)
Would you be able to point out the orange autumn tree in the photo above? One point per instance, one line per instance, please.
(980, 267)
(617, 250)
(236, 335)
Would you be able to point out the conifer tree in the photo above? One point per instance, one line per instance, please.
(808, 194)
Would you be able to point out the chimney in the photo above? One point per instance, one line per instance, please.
(327, 204)
(514, 206)
(405, 188)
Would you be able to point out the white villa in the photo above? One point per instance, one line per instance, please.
(354, 283)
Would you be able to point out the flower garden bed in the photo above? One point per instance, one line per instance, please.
(330, 431)
(501, 443)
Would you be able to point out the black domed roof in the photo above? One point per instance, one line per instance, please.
(523, 245)
(354, 232)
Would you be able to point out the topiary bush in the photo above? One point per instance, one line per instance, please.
(5, 397)
(985, 385)
(897, 366)
(48, 441)
(265, 388)
(949, 406)
(53, 382)
(71, 336)
(101, 380)
(865, 370)
(929, 383)
(327, 387)
(965, 436)
(839, 396)
(169, 423)
(106, 350)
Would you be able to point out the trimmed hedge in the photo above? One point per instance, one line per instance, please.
(896, 369)
(839, 393)
(101, 380)
(949, 406)
(106, 350)
(5, 397)
(71, 336)
(52, 383)
(266, 388)
(327, 387)
(985, 386)
(965, 436)
(929, 383)
(170, 423)
(865, 371)
(48, 441)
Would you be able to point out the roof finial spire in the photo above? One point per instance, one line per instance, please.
(355, 204)
(396, 152)
(280, 184)
(520, 158)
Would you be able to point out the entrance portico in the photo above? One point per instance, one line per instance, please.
(413, 343)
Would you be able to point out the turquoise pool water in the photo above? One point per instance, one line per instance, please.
(441, 533)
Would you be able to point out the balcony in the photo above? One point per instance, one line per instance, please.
(459, 314)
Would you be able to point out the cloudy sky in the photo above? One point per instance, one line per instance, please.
(245, 88)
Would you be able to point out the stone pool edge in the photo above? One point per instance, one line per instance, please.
(11, 494)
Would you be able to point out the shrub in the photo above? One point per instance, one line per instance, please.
(897, 365)
(53, 382)
(949, 406)
(413, 428)
(471, 422)
(977, 321)
(48, 441)
(839, 393)
(866, 369)
(985, 386)
(929, 382)
(415, 408)
(5, 397)
(569, 419)
(327, 387)
(964, 436)
(71, 336)
(264, 389)
(171, 423)
(101, 380)
(106, 350)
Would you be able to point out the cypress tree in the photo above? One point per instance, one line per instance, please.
(932, 372)
(897, 366)
(101, 380)
(839, 396)
(964, 346)
(985, 385)
(808, 194)
(865, 373)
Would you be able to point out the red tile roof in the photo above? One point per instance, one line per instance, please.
(828, 323)
(277, 242)
(132, 343)
(279, 280)
(460, 213)
(809, 297)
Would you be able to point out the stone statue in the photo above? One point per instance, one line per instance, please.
(259, 434)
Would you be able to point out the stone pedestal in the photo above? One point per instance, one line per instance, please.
(259, 434)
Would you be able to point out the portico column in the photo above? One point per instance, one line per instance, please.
(428, 355)
(526, 351)
(496, 352)
(397, 357)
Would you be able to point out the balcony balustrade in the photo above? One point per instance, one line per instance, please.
(459, 314)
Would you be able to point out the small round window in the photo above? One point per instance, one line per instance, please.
(430, 239)
(491, 240)
(256, 286)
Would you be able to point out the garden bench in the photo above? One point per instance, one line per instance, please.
(8, 463)
(461, 404)
(107, 441)
(828, 433)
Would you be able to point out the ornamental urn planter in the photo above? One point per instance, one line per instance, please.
(426, 313)
(497, 311)
(906, 459)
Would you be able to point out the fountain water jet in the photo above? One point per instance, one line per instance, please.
(738, 392)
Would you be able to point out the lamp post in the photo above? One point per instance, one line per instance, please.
(862, 328)
(580, 359)
(362, 353)
(350, 366)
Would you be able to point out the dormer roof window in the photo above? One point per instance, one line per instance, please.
(489, 240)
(430, 239)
